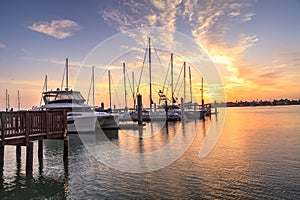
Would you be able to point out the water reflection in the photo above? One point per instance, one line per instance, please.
(256, 157)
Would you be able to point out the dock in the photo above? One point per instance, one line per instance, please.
(22, 128)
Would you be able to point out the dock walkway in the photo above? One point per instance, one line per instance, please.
(21, 128)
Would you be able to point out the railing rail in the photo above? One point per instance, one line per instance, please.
(30, 124)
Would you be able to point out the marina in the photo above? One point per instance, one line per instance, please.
(251, 160)
(128, 99)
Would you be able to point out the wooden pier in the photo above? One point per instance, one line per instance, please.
(21, 128)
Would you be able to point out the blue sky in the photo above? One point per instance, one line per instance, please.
(254, 44)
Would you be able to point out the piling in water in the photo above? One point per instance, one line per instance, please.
(139, 109)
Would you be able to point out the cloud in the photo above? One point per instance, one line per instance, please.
(59, 29)
(2, 46)
(247, 17)
(209, 23)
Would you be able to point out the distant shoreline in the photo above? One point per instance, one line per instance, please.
(281, 102)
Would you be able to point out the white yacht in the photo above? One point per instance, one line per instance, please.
(80, 116)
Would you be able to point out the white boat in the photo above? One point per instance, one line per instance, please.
(80, 116)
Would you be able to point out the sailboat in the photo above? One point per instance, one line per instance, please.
(168, 113)
(80, 116)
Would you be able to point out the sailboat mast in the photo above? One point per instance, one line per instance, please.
(19, 105)
(67, 74)
(6, 100)
(172, 87)
(190, 78)
(93, 79)
(46, 83)
(202, 100)
(109, 88)
(133, 90)
(184, 81)
(125, 91)
(150, 76)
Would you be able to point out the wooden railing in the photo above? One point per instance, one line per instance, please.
(24, 126)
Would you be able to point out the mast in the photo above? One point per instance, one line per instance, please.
(67, 74)
(8, 106)
(46, 83)
(133, 90)
(172, 87)
(45, 88)
(150, 74)
(202, 100)
(93, 79)
(184, 81)
(125, 92)
(190, 77)
(109, 88)
(19, 105)
(6, 100)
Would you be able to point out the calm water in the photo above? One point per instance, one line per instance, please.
(256, 157)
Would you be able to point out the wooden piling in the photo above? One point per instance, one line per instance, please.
(40, 150)
(1, 158)
(166, 110)
(139, 109)
(29, 157)
(18, 153)
(182, 107)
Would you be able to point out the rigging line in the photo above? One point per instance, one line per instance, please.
(88, 98)
(157, 56)
(178, 78)
(42, 92)
(130, 85)
(179, 88)
(166, 77)
(145, 55)
(114, 89)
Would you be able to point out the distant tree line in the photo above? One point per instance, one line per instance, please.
(275, 102)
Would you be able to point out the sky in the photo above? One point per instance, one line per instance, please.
(254, 45)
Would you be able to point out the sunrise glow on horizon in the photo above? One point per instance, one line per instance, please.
(255, 46)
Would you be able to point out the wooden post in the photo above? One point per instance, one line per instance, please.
(182, 107)
(27, 126)
(29, 157)
(3, 127)
(139, 107)
(65, 127)
(18, 153)
(40, 150)
(1, 158)
(47, 123)
(166, 109)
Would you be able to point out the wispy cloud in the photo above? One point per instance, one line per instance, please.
(209, 22)
(247, 17)
(57, 28)
(2, 46)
